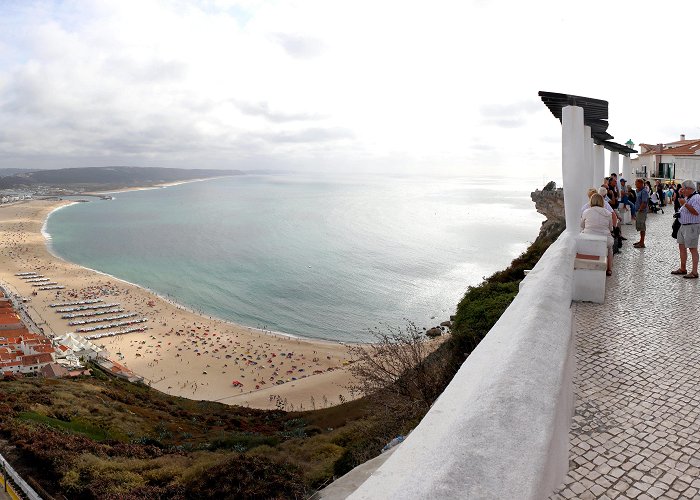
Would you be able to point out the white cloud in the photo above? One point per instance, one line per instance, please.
(445, 85)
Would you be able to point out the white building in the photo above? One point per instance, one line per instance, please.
(76, 347)
(674, 160)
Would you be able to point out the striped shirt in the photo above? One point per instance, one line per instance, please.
(686, 216)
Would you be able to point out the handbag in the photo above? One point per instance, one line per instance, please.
(675, 227)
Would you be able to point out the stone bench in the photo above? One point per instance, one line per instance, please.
(589, 268)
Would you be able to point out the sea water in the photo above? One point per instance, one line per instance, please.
(317, 256)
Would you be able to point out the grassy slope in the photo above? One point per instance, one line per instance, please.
(101, 437)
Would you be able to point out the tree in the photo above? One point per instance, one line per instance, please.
(402, 372)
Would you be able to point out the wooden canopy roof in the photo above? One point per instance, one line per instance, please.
(595, 115)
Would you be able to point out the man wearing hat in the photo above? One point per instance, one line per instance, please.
(625, 199)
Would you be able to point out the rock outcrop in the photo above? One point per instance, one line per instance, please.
(434, 332)
(550, 203)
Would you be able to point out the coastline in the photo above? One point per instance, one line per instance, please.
(169, 354)
(156, 186)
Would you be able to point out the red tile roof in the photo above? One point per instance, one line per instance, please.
(44, 349)
(35, 359)
(15, 332)
(9, 356)
(10, 318)
(678, 148)
(54, 370)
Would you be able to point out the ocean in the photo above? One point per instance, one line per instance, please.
(325, 257)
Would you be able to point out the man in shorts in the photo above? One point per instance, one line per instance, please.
(641, 206)
(690, 228)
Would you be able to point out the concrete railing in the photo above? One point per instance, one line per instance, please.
(500, 429)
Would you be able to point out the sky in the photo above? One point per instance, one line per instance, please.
(441, 87)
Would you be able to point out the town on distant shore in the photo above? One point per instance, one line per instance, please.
(20, 184)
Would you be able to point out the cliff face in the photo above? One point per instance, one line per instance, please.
(550, 203)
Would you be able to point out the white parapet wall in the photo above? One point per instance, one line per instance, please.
(500, 429)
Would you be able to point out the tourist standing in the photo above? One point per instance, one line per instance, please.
(660, 192)
(642, 206)
(690, 228)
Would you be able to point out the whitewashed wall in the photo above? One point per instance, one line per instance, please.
(688, 168)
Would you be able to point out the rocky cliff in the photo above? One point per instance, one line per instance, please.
(549, 201)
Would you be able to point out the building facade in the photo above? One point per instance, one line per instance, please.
(674, 160)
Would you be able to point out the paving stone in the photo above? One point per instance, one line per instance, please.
(632, 493)
(635, 474)
(636, 428)
(597, 491)
(655, 492)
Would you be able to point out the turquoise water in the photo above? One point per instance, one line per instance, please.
(322, 257)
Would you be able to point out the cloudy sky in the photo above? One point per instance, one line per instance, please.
(448, 87)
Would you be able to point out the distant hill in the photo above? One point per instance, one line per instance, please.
(13, 171)
(107, 177)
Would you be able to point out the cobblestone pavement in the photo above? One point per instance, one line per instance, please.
(636, 430)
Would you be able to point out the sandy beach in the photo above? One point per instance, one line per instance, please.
(181, 353)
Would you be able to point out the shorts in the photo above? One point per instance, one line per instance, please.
(641, 223)
(688, 235)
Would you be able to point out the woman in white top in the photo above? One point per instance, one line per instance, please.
(597, 220)
(601, 191)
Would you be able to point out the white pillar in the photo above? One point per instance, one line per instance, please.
(573, 167)
(588, 153)
(598, 165)
(627, 169)
(615, 163)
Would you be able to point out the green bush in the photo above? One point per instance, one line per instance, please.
(76, 425)
(479, 310)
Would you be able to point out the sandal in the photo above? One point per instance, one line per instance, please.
(608, 273)
(639, 245)
(679, 271)
(691, 276)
